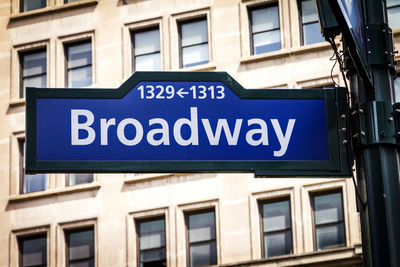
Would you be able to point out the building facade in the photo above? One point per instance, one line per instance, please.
(171, 219)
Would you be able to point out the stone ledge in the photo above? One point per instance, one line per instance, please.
(54, 192)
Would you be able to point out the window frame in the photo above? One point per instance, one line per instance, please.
(262, 233)
(138, 221)
(314, 226)
(68, 176)
(301, 24)
(187, 214)
(67, 233)
(250, 9)
(180, 22)
(66, 46)
(21, 6)
(132, 33)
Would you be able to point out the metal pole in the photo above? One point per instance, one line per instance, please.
(377, 165)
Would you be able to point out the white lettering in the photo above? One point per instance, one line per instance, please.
(76, 126)
(121, 132)
(222, 124)
(104, 124)
(192, 123)
(262, 131)
(164, 131)
(283, 139)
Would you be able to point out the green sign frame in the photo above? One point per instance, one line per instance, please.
(336, 106)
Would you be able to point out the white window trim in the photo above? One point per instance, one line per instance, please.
(127, 47)
(16, 67)
(176, 19)
(61, 62)
(132, 244)
(255, 226)
(17, 233)
(349, 212)
(181, 242)
(61, 246)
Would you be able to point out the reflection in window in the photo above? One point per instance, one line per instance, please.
(328, 221)
(152, 242)
(397, 87)
(28, 5)
(80, 247)
(33, 251)
(393, 11)
(276, 225)
(79, 178)
(310, 29)
(33, 70)
(265, 29)
(194, 43)
(146, 48)
(202, 243)
(79, 64)
(29, 182)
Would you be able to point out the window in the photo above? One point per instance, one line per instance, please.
(194, 42)
(146, 50)
(79, 178)
(397, 87)
(202, 247)
(70, 1)
(80, 247)
(393, 11)
(29, 182)
(151, 238)
(328, 220)
(32, 251)
(79, 64)
(28, 5)
(33, 70)
(265, 29)
(310, 29)
(276, 225)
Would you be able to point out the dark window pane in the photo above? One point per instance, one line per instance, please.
(201, 227)
(330, 236)
(33, 251)
(71, 1)
(328, 208)
(203, 254)
(79, 178)
(308, 11)
(278, 243)
(79, 64)
(265, 19)
(33, 70)
(81, 247)
(152, 243)
(266, 34)
(27, 5)
(312, 34)
(30, 182)
(194, 43)
(88, 263)
(276, 216)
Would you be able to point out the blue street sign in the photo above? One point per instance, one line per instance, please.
(181, 122)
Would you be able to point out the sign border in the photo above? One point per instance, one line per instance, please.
(335, 99)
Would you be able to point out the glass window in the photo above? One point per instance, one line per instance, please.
(33, 251)
(265, 29)
(310, 29)
(202, 243)
(79, 178)
(71, 1)
(194, 42)
(277, 230)
(79, 64)
(146, 48)
(328, 220)
(393, 11)
(152, 242)
(80, 247)
(33, 70)
(27, 5)
(29, 182)
(397, 87)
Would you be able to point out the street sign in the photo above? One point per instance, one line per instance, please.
(186, 122)
(350, 15)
